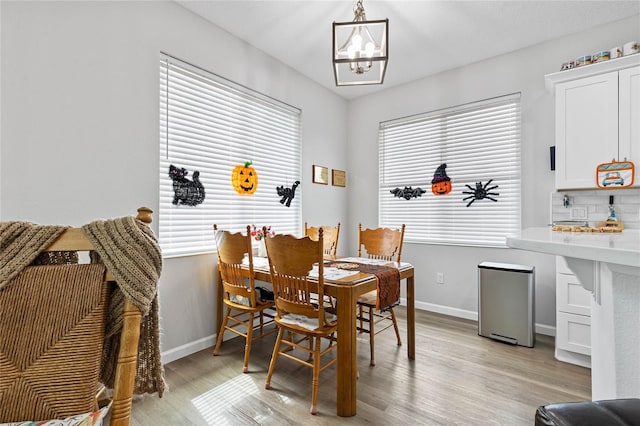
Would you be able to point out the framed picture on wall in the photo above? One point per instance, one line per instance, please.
(320, 175)
(338, 178)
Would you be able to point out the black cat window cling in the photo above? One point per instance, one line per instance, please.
(186, 192)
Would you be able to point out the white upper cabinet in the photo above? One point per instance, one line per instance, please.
(597, 119)
(629, 134)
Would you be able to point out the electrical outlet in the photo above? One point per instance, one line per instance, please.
(440, 278)
(576, 213)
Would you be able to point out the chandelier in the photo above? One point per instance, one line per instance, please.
(360, 49)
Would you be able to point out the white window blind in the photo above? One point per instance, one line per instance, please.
(478, 142)
(209, 124)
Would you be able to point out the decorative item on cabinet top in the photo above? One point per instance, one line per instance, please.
(575, 73)
(629, 48)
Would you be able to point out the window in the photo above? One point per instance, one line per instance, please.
(480, 145)
(210, 125)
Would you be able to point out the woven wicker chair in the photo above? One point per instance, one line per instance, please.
(53, 325)
(383, 244)
(239, 290)
(290, 261)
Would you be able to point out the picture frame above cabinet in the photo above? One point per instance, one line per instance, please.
(594, 109)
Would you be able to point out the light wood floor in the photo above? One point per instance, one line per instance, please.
(458, 378)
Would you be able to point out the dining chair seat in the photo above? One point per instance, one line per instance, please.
(368, 298)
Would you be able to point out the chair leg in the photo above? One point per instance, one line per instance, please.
(221, 332)
(261, 323)
(360, 316)
(372, 334)
(247, 344)
(316, 375)
(274, 357)
(395, 326)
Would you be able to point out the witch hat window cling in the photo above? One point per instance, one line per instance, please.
(441, 183)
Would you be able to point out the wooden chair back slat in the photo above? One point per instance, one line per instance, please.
(232, 249)
(291, 260)
(330, 237)
(381, 243)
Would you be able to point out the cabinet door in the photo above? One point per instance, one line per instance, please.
(586, 129)
(571, 296)
(629, 139)
(573, 333)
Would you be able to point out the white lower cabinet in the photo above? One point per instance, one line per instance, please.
(573, 317)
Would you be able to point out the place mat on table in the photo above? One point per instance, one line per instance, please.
(387, 281)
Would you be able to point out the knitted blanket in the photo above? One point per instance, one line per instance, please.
(20, 245)
(130, 251)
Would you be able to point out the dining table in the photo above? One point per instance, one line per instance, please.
(346, 290)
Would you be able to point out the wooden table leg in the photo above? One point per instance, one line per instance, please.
(347, 374)
(411, 319)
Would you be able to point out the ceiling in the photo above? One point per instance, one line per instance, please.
(425, 37)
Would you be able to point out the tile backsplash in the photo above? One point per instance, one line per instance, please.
(595, 203)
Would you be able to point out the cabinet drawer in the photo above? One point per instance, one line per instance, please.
(573, 333)
(571, 297)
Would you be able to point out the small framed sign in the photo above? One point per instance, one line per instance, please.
(338, 178)
(320, 175)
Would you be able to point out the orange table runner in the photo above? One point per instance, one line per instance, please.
(387, 281)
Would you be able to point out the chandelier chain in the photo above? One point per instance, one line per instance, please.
(358, 11)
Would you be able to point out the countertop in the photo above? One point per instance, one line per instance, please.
(621, 248)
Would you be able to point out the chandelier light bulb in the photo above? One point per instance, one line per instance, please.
(369, 47)
(351, 51)
(356, 42)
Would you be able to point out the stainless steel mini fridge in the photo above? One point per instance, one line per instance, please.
(506, 297)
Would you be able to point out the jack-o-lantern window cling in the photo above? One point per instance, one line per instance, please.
(244, 179)
(441, 184)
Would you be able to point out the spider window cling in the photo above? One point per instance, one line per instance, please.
(481, 192)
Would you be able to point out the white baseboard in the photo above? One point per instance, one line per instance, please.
(207, 342)
(547, 330)
(188, 349)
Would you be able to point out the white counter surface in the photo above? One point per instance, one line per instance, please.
(621, 248)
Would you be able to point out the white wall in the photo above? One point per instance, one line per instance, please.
(520, 71)
(79, 136)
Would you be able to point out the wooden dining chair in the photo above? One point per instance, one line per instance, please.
(53, 317)
(239, 291)
(382, 244)
(307, 324)
(330, 235)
